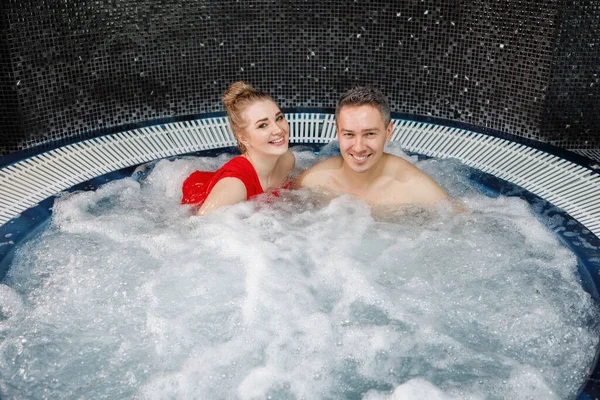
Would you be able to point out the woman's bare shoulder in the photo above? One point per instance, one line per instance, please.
(288, 160)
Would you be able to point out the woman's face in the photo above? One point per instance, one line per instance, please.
(267, 131)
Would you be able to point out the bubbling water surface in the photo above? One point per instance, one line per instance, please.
(125, 295)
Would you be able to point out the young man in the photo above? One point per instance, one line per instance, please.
(363, 126)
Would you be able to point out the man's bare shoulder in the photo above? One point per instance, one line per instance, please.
(402, 170)
(424, 188)
(320, 173)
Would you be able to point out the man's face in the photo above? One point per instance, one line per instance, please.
(362, 134)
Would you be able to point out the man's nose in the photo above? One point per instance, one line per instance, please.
(359, 144)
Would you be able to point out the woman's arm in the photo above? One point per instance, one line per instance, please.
(226, 192)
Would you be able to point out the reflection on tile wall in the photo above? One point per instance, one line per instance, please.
(82, 67)
(10, 132)
(571, 116)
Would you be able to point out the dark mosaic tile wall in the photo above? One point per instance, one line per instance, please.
(10, 132)
(78, 67)
(572, 114)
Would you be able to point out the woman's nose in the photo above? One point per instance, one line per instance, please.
(276, 127)
(279, 128)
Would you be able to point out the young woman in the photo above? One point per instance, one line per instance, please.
(263, 134)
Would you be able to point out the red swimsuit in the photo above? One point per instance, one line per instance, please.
(198, 185)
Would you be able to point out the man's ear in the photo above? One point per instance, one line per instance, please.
(390, 129)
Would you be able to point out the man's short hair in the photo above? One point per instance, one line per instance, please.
(365, 95)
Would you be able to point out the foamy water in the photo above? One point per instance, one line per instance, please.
(127, 296)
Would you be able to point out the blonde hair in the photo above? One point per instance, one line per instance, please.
(239, 96)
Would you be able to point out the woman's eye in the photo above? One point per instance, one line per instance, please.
(262, 125)
(280, 118)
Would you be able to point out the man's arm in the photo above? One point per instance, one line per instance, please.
(429, 190)
(415, 186)
(319, 174)
(433, 193)
(310, 178)
(304, 180)
(226, 192)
